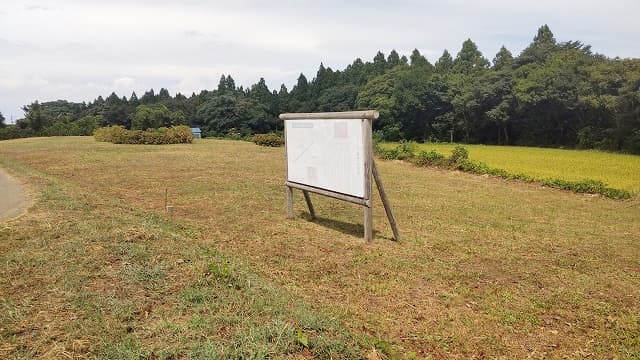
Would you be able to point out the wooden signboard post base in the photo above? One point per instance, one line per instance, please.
(368, 206)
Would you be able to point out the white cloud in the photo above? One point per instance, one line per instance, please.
(123, 84)
(79, 50)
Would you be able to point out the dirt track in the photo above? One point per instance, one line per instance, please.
(13, 199)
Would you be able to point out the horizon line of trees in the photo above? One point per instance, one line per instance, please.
(553, 94)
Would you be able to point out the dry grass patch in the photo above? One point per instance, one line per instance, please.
(487, 267)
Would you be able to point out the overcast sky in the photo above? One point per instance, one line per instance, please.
(77, 50)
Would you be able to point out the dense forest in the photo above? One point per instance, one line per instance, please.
(553, 93)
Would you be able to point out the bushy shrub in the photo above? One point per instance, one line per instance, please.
(14, 132)
(271, 139)
(235, 134)
(459, 155)
(430, 158)
(406, 149)
(180, 134)
(387, 154)
(113, 134)
(120, 135)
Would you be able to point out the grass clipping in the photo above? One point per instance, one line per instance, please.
(459, 160)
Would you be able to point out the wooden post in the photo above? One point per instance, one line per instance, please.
(307, 198)
(289, 193)
(368, 223)
(288, 189)
(385, 202)
(368, 159)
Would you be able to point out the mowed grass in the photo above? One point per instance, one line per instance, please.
(620, 171)
(486, 268)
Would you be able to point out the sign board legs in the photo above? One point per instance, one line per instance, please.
(368, 206)
(289, 194)
(307, 198)
(368, 222)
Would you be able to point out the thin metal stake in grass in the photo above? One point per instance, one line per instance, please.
(166, 195)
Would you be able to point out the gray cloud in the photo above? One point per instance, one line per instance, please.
(90, 48)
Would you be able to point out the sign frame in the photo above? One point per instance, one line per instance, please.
(370, 169)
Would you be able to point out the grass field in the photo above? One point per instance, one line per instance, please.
(619, 171)
(486, 268)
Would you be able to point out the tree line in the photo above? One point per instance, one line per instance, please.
(558, 94)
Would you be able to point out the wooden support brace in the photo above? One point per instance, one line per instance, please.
(307, 198)
(385, 202)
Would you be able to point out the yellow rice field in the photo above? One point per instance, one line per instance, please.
(621, 171)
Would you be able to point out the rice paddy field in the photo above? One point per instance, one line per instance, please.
(620, 171)
(487, 268)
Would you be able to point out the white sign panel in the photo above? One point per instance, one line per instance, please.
(328, 154)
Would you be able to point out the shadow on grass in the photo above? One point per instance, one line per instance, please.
(342, 226)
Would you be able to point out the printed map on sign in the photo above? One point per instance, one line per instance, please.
(328, 154)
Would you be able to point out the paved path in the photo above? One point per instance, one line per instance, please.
(13, 199)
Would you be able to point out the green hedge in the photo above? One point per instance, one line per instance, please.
(160, 136)
(271, 139)
(459, 160)
(14, 132)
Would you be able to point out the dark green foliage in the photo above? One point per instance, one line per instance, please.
(459, 160)
(36, 118)
(14, 132)
(544, 43)
(503, 59)
(554, 93)
(226, 115)
(300, 98)
(273, 140)
(155, 116)
(444, 63)
(469, 59)
(119, 135)
(115, 111)
(338, 98)
(632, 143)
(65, 126)
(2, 124)
(393, 59)
(418, 60)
